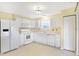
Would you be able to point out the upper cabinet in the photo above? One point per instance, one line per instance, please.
(28, 23)
(16, 22)
(56, 22)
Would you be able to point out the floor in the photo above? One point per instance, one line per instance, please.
(36, 49)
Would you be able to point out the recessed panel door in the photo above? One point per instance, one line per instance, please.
(69, 33)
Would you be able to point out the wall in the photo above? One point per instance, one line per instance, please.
(10, 16)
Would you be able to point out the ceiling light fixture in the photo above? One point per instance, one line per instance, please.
(38, 8)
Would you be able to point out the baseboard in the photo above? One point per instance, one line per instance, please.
(9, 51)
(77, 53)
(15, 48)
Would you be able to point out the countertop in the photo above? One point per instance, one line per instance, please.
(41, 31)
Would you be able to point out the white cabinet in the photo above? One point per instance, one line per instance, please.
(54, 40)
(57, 44)
(36, 37)
(18, 21)
(28, 23)
(39, 37)
(15, 23)
(22, 37)
(51, 39)
(56, 22)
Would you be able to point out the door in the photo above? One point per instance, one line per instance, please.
(69, 33)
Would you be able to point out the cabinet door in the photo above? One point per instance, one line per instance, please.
(57, 41)
(33, 36)
(39, 37)
(51, 40)
(42, 38)
(15, 23)
(5, 23)
(19, 21)
(22, 38)
(28, 23)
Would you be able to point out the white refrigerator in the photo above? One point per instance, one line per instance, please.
(5, 35)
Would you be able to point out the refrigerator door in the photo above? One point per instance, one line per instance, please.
(14, 38)
(5, 38)
(5, 42)
(14, 34)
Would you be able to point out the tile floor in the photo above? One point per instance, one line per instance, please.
(36, 49)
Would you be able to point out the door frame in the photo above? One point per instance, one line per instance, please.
(77, 50)
(75, 30)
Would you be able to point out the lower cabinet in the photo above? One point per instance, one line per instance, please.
(57, 44)
(54, 40)
(39, 37)
(22, 39)
(43, 38)
(49, 39)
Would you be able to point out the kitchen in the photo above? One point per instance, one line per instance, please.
(22, 24)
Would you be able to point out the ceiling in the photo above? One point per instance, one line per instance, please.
(26, 8)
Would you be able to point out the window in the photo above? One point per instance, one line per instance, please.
(45, 23)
